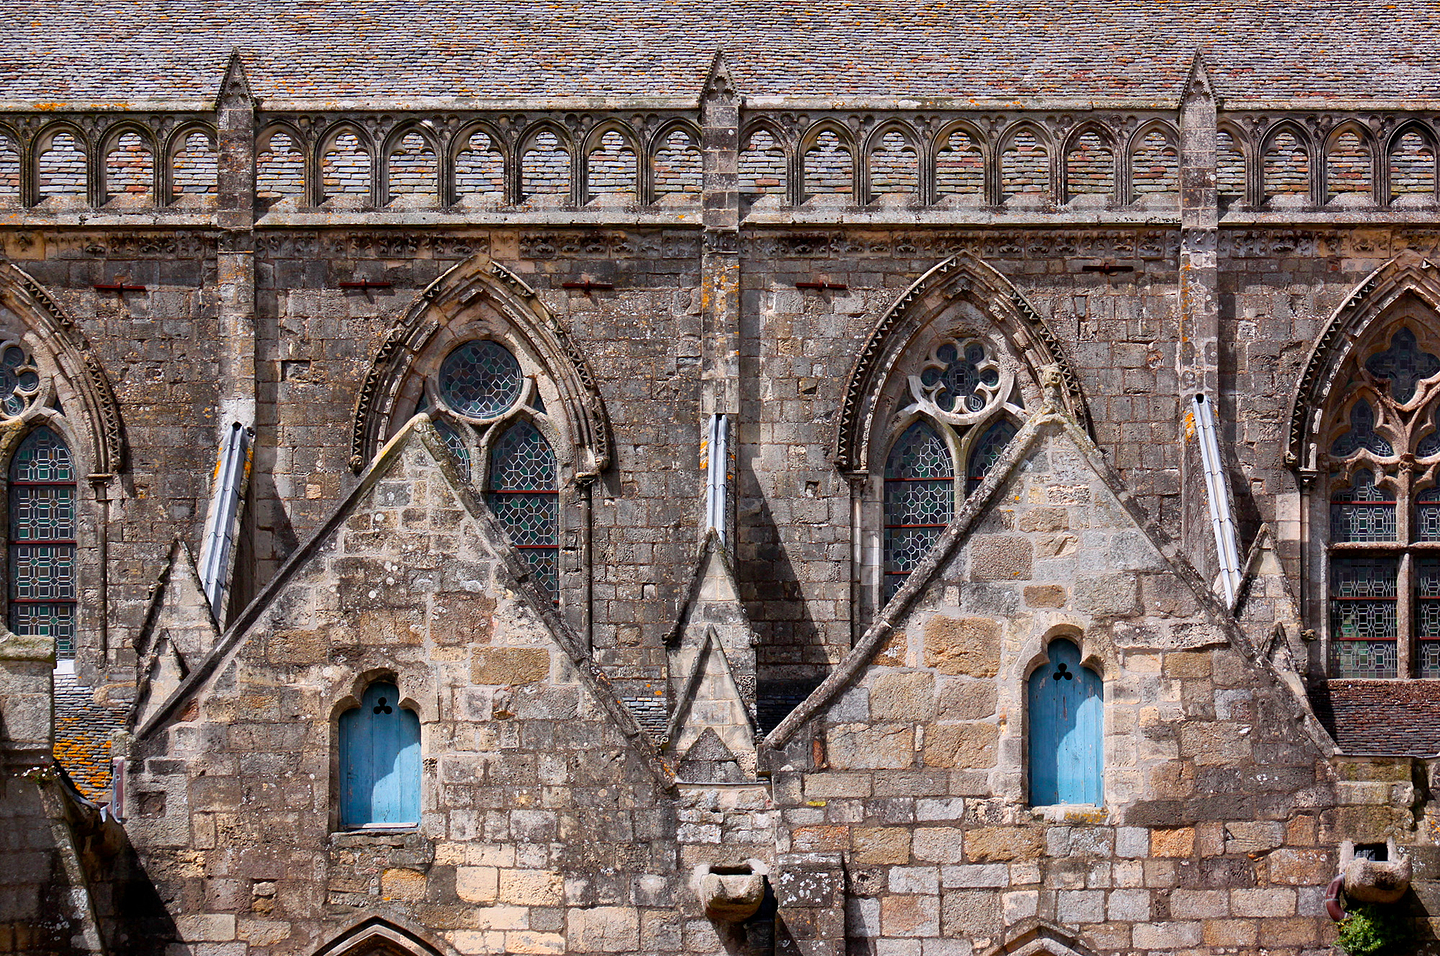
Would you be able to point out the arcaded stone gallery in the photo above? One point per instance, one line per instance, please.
(880, 479)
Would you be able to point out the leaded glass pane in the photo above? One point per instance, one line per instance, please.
(919, 501)
(523, 495)
(480, 379)
(456, 445)
(1361, 434)
(42, 572)
(1427, 515)
(1362, 512)
(1362, 616)
(1403, 364)
(522, 461)
(46, 620)
(987, 451)
(42, 513)
(42, 540)
(1427, 617)
(42, 456)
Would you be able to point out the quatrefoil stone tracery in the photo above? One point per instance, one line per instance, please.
(19, 380)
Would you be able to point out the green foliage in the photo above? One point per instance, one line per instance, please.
(1370, 930)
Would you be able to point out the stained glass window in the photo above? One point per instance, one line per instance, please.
(1361, 434)
(1362, 512)
(1403, 364)
(919, 501)
(987, 451)
(1384, 566)
(524, 496)
(1427, 515)
(1427, 616)
(480, 379)
(42, 540)
(1363, 616)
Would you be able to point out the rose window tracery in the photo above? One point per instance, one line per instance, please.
(19, 380)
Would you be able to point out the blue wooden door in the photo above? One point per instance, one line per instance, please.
(1066, 730)
(380, 761)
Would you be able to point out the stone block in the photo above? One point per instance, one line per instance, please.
(477, 884)
(906, 696)
(1263, 902)
(1107, 595)
(962, 746)
(1045, 595)
(531, 887)
(1000, 557)
(937, 844)
(1002, 844)
(910, 915)
(401, 883)
(509, 665)
(965, 647)
(1173, 842)
(881, 844)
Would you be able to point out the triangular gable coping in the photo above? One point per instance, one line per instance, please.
(377, 931)
(718, 83)
(1197, 81)
(712, 545)
(708, 645)
(1050, 418)
(556, 628)
(234, 84)
(1250, 573)
(146, 645)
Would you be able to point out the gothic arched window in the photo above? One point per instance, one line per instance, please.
(919, 500)
(523, 496)
(962, 409)
(379, 761)
(1380, 461)
(488, 410)
(42, 534)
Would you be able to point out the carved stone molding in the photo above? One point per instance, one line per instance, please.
(961, 277)
(1407, 274)
(481, 279)
(57, 333)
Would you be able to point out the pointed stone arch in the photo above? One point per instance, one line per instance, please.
(481, 281)
(82, 379)
(377, 936)
(962, 278)
(1408, 274)
(1038, 937)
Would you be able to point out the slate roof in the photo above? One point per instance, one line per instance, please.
(989, 52)
(82, 737)
(1381, 716)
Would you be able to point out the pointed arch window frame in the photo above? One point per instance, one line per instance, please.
(1378, 467)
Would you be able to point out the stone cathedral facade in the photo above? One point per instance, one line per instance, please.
(580, 480)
